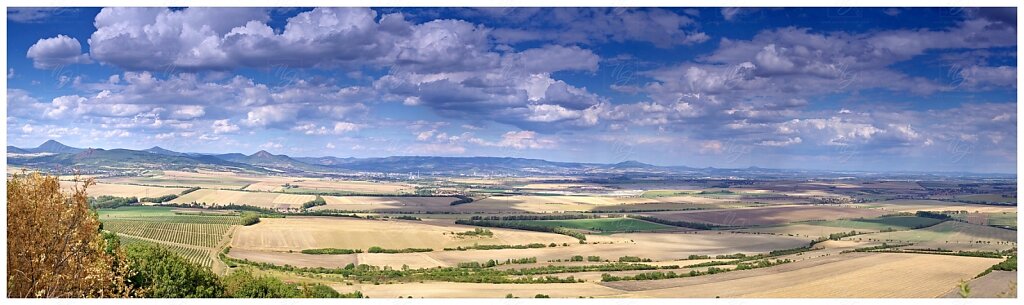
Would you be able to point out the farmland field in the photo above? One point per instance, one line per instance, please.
(758, 220)
(607, 225)
(125, 190)
(950, 235)
(988, 198)
(298, 233)
(881, 223)
(204, 179)
(847, 275)
(767, 215)
(196, 236)
(1004, 220)
(937, 205)
(396, 238)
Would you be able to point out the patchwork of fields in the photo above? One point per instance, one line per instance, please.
(580, 245)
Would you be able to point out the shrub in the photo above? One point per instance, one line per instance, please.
(331, 251)
(162, 274)
(161, 199)
(250, 218)
(111, 202)
(463, 199)
(376, 249)
(318, 201)
(49, 230)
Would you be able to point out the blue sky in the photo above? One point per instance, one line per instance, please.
(818, 88)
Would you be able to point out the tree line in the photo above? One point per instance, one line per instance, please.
(523, 226)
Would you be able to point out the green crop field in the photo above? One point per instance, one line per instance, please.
(192, 235)
(196, 234)
(196, 255)
(880, 223)
(164, 215)
(136, 211)
(665, 193)
(606, 225)
(988, 198)
(1003, 220)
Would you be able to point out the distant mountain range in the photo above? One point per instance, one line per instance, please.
(54, 155)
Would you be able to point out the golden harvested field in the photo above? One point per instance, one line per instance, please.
(297, 233)
(312, 185)
(124, 190)
(936, 205)
(291, 200)
(373, 203)
(768, 215)
(295, 259)
(548, 204)
(225, 197)
(885, 185)
(950, 235)
(997, 284)
(863, 275)
(665, 247)
(396, 261)
(204, 179)
(656, 246)
(801, 230)
(475, 290)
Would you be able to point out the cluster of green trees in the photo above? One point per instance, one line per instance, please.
(465, 273)
(331, 251)
(318, 201)
(376, 249)
(634, 259)
(462, 199)
(476, 232)
(111, 202)
(677, 223)
(948, 252)
(541, 217)
(511, 224)
(935, 215)
(718, 192)
(731, 256)
(883, 246)
(250, 218)
(1010, 264)
(838, 236)
(189, 190)
(491, 263)
(498, 247)
(658, 275)
(711, 263)
(161, 199)
(375, 274)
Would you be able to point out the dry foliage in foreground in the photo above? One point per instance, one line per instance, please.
(54, 246)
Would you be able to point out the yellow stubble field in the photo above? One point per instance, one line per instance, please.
(863, 275)
(123, 190)
(297, 233)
